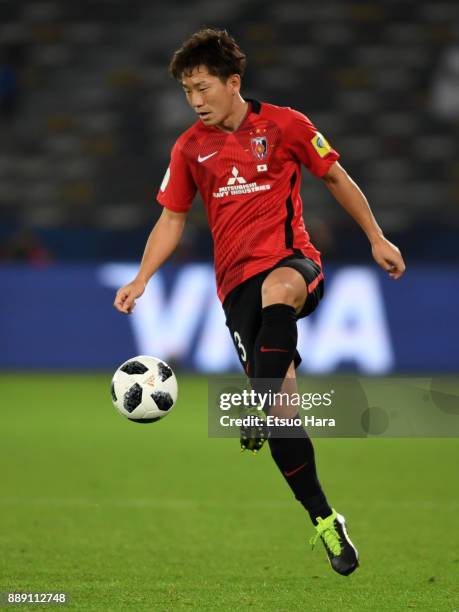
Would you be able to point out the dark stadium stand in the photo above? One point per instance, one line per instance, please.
(89, 114)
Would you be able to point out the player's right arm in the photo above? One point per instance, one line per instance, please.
(161, 243)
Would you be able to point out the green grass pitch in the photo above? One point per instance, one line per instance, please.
(160, 517)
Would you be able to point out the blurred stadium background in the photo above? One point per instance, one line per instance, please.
(88, 116)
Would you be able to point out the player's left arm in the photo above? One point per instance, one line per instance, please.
(351, 198)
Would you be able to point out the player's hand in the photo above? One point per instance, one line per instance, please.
(388, 256)
(127, 295)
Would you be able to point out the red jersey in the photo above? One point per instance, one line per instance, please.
(249, 181)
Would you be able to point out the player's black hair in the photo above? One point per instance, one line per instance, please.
(215, 49)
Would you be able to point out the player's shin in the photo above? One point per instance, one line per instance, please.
(274, 350)
(293, 453)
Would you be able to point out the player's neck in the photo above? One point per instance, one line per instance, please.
(234, 120)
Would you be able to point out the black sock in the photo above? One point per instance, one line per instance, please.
(294, 456)
(291, 447)
(274, 347)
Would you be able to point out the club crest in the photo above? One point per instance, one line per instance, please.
(259, 146)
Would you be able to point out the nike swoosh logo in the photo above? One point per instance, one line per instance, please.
(294, 471)
(201, 159)
(263, 349)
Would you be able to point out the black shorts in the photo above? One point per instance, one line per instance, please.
(243, 307)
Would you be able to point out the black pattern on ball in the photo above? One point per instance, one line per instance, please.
(134, 367)
(163, 400)
(145, 420)
(164, 371)
(132, 397)
(112, 391)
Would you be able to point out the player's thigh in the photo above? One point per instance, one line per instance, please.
(284, 285)
(313, 278)
(243, 319)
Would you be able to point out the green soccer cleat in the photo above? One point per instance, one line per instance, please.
(342, 554)
(254, 433)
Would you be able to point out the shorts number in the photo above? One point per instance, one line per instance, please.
(240, 346)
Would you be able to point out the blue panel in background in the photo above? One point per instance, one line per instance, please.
(422, 311)
(59, 317)
(62, 317)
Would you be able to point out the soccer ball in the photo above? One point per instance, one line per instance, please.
(144, 389)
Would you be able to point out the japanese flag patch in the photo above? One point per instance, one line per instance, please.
(321, 145)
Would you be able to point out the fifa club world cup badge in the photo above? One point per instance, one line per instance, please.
(259, 144)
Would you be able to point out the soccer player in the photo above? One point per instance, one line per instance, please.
(245, 159)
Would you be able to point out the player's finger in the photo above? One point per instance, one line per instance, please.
(391, 265)
(387, 265)
(397, 270)
(400, 265)
(128, 304)
(397, 274)
(123, 300)
(118, 303)
(120, 296)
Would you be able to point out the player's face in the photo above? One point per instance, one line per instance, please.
(209, 97)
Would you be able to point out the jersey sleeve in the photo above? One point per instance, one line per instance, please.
(178, 187)
(307, 145)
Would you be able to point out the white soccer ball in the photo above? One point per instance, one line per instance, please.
(144, 389)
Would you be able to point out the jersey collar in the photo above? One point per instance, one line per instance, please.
(256, 106)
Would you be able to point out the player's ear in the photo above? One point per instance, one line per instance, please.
(235, 83)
